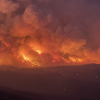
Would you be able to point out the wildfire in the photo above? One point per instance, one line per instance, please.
(38, 51)
(26, 58)
(35, 35)
(30, 60)
(76, 59)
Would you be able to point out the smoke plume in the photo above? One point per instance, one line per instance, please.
(49, 33)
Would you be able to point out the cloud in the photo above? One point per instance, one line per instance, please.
(8, 6)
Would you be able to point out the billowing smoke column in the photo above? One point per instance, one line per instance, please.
(49, 32)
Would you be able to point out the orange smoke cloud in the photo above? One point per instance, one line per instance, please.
(49, 33)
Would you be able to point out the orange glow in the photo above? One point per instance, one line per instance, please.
(75, 59)
(53, 61)
(38, 51)
(30, 61)
(35, 36)
(26, 58)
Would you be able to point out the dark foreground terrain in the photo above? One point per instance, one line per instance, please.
(56, 83)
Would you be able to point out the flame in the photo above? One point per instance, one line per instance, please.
(39, 52)
(29, 61)
(25, 58)
(76, 59)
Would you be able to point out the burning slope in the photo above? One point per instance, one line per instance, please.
(49, 33)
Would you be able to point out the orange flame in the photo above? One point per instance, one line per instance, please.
(78, 60)
(25, 58)
(39, 52)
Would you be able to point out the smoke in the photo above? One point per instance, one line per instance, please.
(49, 33)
